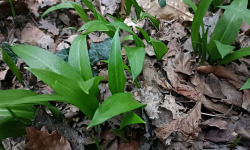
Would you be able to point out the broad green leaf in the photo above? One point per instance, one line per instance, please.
(144, 33)
(87, 85)
(136, 56)
(79, 58)
(12, 128)
(191, 4)
(197, 22)
(12, 66)
(128, 4)
(30, 98)
(80, 11)
(56, 7)
(235, 55)
(39, 58)
(12, 8)
(226, 30)
(97, 27)
(241, 12)
(246, 85)
(129, 119)
(116, 77)
(159, 48)
(224, 49)
(115, 105)
(128, 37)
(91, 23)
(26, 111)
(1, 146)
(70, 89)
(162, 3)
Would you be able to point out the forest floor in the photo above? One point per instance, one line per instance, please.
(189, 106)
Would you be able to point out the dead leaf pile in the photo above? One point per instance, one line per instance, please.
(40, 140)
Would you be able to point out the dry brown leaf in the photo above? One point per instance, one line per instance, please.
(3, 74)
(219, 71)
(33, 7)
(183, 63)
(173, 47)
(31, 34)
(45, 24)
(170, 104)
(41, 140)
(187, 126)
(246, 100)
(174, 9)
(170, 30)
(215, 122)
(131, 23)
(134, 145)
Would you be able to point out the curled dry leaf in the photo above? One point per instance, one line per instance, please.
(41, 140)
(139, 23)
(183, 62)
(215, 122)
(31, 34)
(174, 9)
(170, 104)
(187, 126)
(219, 71)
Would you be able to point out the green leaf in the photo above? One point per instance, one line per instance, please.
(226, 30)
(69, 89)
(191, 4)
(162, 3)
(144, 33)
(246, 85)
(128, 4)
(79, 58)
(115, 105)
(235, 55)
(224, 49)
(87, 85)
(97, 15)
(217, 3)
(99, 51)
(12, 128)
(197, 22)
(241, 11)
(159, 48)
(116, 77)
(97, 27)
(7, 48)
(153, 20)
(138, 9)
(80, 11)
(39, 58)
(128, 37)
(56, 7)
(123, 26)
(130, 118)
(16, 97)
(12, 66)
(91, 23)
(136, 56)
(63, 54)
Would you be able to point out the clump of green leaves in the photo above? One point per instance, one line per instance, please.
(73, 81)
(219, 47)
